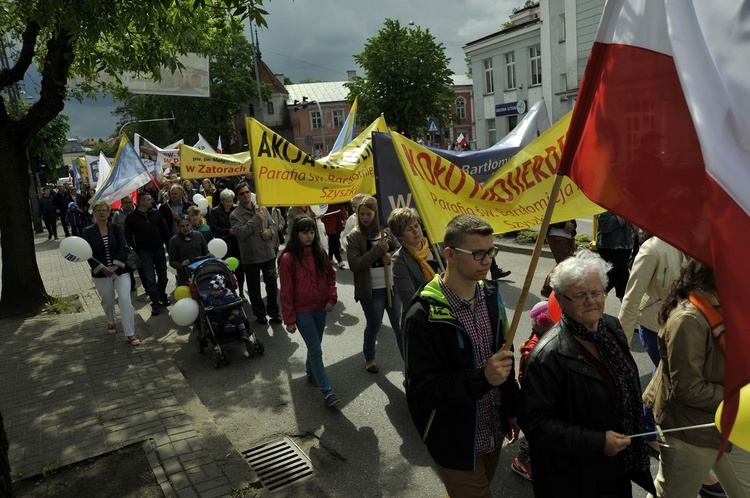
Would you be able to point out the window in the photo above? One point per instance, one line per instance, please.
(461, 108)
(491, 132)
(316, 120)
(510, 70)
(338, 118)
(535, 61)
(563, 81)
(561, 27)
(318, 151)
(270, 107)
(489, 78)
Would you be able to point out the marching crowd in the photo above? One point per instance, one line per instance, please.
(577, 395)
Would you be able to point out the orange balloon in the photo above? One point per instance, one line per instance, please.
(555, 312)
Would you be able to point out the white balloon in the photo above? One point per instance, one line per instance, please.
(75, 249)
(184, 312)
(202, 203)
(319, 209)
(197, 197)
(218, 248)
(204, 209)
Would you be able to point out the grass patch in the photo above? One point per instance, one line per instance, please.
(63, 305)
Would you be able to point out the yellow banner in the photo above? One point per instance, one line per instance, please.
(197, 163)
(288, 176)
(514, 198)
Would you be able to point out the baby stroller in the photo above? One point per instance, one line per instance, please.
(208, 325)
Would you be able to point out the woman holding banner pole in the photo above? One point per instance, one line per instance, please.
(369, 251)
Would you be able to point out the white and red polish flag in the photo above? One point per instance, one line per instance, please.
(660, 135)
(219, 149)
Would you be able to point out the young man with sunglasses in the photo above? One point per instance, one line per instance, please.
(461, 388)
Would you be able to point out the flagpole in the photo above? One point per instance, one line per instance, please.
(533, 263)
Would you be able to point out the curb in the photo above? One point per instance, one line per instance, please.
(516, 248)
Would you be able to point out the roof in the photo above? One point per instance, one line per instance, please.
(335, 91)
(327, 91)
(73, 146)
(267, 77)
(504, 31)
(462, 80)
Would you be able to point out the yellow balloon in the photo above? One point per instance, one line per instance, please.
(210, 199)
(740, 434)
(182, 292)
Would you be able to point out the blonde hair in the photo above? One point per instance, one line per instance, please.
(101, 203)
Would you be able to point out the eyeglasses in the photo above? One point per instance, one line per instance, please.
(480, 254)
(581, 298)
(244, 192)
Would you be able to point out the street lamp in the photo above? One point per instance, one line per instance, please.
(144, 121)
(305, 102)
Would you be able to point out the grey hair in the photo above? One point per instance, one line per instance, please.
(226, 194)
(573, 271)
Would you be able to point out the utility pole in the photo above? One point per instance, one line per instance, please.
(256, 56)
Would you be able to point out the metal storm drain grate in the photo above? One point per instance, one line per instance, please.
(279, 464)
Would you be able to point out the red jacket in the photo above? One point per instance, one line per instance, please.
(302, 289)
(525, 350)
(334, 218)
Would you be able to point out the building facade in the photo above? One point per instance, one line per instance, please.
(541, 52)
(317, 112)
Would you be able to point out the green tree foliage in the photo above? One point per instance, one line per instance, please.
(104, 147)
(83, 40)
(232, 86)
(47, 147)
(407, 78)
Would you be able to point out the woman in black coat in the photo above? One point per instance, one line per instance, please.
(581, 395)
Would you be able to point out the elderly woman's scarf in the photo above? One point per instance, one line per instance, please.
(420, 256)
(628, 406)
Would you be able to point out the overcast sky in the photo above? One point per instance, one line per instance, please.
(318, 38)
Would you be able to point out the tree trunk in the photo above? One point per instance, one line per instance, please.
(23, 290)
(6, 484)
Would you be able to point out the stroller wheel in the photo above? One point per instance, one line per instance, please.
(259, 348)
(199, 344)
(250, 349)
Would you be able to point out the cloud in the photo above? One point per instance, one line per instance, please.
(317, 39)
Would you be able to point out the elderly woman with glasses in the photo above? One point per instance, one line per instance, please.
(413, 263)
(581, 394)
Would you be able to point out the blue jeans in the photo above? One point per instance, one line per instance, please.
(651, 345)
(374, 309)
(310, 325)
(154, 270)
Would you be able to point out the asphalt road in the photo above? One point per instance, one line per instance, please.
(366, 446)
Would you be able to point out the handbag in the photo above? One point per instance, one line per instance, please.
(133, 261)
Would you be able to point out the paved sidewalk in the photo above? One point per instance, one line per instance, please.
(71, 391)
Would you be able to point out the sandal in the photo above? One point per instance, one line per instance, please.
(111, 328)
(373, 369)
